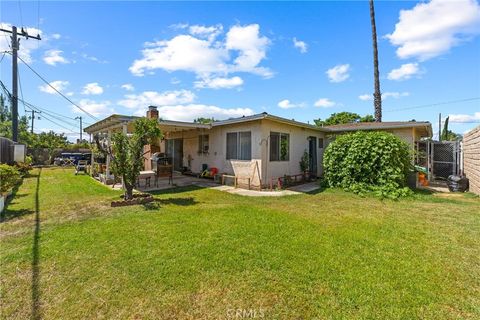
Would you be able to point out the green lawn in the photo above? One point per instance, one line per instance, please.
(202, 254)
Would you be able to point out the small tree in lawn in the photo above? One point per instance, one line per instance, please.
(127, 152)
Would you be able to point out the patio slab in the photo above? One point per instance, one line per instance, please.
(303, 188)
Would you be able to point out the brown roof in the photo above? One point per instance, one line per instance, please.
(355, 126)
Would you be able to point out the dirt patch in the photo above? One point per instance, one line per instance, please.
(137, 199)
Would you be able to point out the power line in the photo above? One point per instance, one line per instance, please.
(43, 111)
(21, 91)
(54, 122)
(434, 104)
(64, 96)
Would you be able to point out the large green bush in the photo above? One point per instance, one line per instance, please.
(9, 176)
(362, 162)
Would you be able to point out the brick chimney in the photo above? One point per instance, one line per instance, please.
(152, 112)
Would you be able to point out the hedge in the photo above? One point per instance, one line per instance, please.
(369, 161)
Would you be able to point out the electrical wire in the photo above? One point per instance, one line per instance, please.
(45, 114)
(3, 56)
(433, 104)
(55, 89)
(54, 122)
(21, 91)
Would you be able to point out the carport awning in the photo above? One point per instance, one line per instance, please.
(172, 126)
(115, 121)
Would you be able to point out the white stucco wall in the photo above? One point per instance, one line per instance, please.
(216, 156)
(259, 168)
(298, 144)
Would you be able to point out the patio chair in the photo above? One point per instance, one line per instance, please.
(81, 166)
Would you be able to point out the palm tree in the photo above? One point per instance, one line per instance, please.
(377, 97)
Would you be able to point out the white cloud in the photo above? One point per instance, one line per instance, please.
(141, 101)
(406, 71)
(385, 95)
(209, 33)
(251, 47)
(395, 95)
(300, 45)
(219, 83)
(190, 112)
(338, 73)
(365, 97)
(463, 118)
(183, 52)
(27, 47)
(56, 36)
(92, 88)
(199, 52)
(433, 28)
(128, 87)
(287, 104)
(324, 103)
(59, 85)
(97, 108)
(93, 58)
(52, 57)
(175, 81)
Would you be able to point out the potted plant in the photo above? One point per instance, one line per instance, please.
(304, 164)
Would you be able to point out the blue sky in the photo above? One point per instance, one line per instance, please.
(300, 60)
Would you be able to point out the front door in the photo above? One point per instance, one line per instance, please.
(312, 155)
(174, 148)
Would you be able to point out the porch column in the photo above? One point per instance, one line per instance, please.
(109, 142)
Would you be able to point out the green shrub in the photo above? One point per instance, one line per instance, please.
(304, 162)
(9, 176)
(361, 162)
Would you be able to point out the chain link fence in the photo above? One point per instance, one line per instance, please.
(440, 158)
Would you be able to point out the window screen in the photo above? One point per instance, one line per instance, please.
(203, 144)
(239, 145)
(232, 145)
(279, 146)
(245, 146)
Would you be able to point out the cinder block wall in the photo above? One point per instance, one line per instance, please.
(471, 158)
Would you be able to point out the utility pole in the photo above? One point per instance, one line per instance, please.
(80, 118)
(377, 96)
(33, 118)
(15, 48)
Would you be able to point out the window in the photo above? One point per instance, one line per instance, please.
(279, 146)
(239, 145)
(203, 145)
(320, 143)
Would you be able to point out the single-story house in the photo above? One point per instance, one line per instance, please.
(261, 147)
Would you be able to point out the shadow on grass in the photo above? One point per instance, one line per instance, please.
(9, 214)
(36, 314)
(157, 203)
(316, 191)
(175, 190)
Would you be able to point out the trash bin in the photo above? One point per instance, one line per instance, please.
(457, 183)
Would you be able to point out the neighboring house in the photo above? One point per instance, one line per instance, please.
(409, 131)
(261, 147)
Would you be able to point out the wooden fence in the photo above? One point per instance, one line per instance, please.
(6, 150)
(471, 158)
